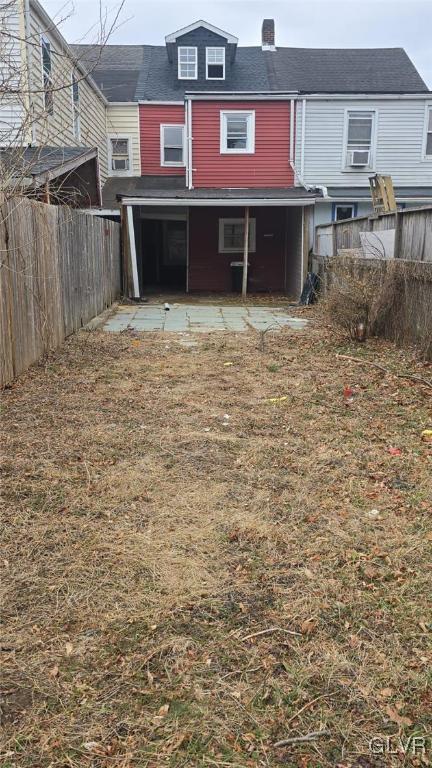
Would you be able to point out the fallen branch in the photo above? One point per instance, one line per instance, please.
(386, 370)
(298, 739)
(268, 631)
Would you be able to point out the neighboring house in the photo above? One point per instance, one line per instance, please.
(291, 134)
(52, 113)
(196, 135)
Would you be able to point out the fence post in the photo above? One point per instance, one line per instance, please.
(334, 241)
(398, 233)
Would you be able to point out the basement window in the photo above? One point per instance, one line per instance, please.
(237, 132)
(215, 63)
(231, 235)
(187, 63)
(342, 211)
(172, 145)
(119, 152)
(47, 75)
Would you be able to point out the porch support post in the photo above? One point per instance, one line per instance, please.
(132, 251)
(245, 251)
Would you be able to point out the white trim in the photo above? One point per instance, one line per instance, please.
(253, 202)
(399, 199)
(250, 116)
(171, 163)
(373, 142)
(189, 48)
(239, 220)
(196, 25)
(302, 253)
(215, 48)
(132, 249)
(366, 96)
(428, 109)
(156, 102)
(235, 96)
(119, 137)
(341, 204)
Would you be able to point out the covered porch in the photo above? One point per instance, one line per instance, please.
(216, 241)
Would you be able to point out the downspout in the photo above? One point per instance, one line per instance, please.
(189, 174)
(299, 174)
(27, 32)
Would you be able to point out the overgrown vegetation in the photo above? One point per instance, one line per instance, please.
(183, 589)
(392, 298)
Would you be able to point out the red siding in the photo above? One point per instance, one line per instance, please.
(152, 116)
(269, 165)
(210, 270)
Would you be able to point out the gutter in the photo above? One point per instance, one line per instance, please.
(223, 201)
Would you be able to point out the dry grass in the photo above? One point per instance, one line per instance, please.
(144, 540)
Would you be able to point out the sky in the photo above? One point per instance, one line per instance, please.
(299, 23)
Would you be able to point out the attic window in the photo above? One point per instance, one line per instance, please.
(187, 63)
(215, 63)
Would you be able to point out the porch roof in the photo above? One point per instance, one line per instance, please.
(157, 190)
(349, 194)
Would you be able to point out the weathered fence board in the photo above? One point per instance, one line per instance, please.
(413, 233)
(58, 269)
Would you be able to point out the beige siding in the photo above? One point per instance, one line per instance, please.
(57, 129)
(123, 122)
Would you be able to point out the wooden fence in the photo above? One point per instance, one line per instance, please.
(59, 268)
(413, 233)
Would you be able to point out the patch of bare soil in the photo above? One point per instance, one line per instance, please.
(185, 589)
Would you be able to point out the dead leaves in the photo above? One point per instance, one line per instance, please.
(395, 717)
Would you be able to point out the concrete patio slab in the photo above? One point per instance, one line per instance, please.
(199, 318)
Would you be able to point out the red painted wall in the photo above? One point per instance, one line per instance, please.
(267, 167)
(210, 270)
(152, 116)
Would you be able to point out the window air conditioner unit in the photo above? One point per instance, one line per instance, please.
(358, 157)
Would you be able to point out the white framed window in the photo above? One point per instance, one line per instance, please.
(237, 132)
(359, 139)
(342, 211)
(76, 118)
(231, 235)
(215, 63)
(187, 62)
(47, 80)
(119, 153)
(427, 154)
(172, 145)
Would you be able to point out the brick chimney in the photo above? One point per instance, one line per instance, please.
(268, 35)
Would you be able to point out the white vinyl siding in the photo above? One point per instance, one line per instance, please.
(13, 75)
(400, 127)
(124, 121)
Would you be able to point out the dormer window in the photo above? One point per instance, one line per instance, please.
(187, 63)
(215, 63)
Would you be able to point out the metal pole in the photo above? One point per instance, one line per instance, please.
(245, 251)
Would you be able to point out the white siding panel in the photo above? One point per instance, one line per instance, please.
(399, 145)
(57, 129)
(123, 121)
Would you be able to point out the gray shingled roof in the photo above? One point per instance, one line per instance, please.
(33, 161)
(169, 187)
(347, 193)
(142, 72)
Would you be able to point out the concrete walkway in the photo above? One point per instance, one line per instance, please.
(183, 318)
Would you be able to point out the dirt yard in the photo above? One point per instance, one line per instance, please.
(207, 552)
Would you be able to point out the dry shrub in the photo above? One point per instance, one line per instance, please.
(392, 298)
